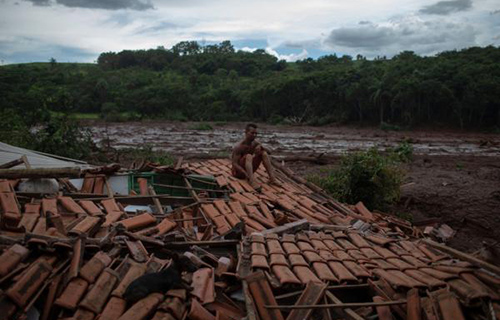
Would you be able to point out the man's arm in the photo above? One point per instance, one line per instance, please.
(237, 154)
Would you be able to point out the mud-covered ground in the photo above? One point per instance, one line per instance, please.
(455, 175)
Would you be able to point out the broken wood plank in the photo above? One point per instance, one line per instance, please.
(312, 294)
(289, 227)
(40, 173)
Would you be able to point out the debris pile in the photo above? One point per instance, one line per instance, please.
(193, 242)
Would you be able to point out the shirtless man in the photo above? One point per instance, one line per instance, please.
(247, 157)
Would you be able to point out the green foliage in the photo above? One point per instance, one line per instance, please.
(201, 126)
(365, 176)
(193, 82)
(63, 136)
(403, 152)
(13, 129)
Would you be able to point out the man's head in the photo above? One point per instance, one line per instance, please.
(251, 132)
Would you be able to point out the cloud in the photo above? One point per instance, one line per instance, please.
(98, 4)
(447, 7)
(287, 57)
(405, 33)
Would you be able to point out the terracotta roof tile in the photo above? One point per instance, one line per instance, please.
(402, 265)
(479, 285)
(305, 246)
(203, 285)
(262, 295)
(113, 309)
(11, 258)
(383, 312)
(467, 293)
(324, 272)
(90, 207)
(412, 249)
(174, 306)
(297, 260)
(342, 255)
(198, 312)
(285, 275)
(93, 268)
(449, 306)
(72, 294)
(142, 308)
(278, 259)
(347, 245)
(438, 274)
(288, 238)
(86, 225)
(99, 293)
(341, 272)
(70, 205)
(29, 282)
(413, 261)
(425, 278)
(83, 314)
(290, 248)
(274, 246)
(356, 269)
(305, 274)
(139, 221)
(257, 237)
(312, 256)
(259, 261)
(327, 255)
(259, 248)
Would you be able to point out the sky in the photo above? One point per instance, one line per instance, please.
(79, 30)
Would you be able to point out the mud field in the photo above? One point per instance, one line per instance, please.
(454, 177)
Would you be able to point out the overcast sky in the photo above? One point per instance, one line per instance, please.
(79, 30)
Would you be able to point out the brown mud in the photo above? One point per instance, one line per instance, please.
(454, 176)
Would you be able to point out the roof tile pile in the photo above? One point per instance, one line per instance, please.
(303, 255)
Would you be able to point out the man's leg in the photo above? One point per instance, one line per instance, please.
(249, 169)
(269, 167)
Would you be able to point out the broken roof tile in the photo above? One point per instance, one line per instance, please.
(97, 296)
(259, 261)
(113, 309)
(93, 268)
(134, 271)
(90, 207)
(139, 221)
(11, 258)
(305, 274)
(72, 294)
(29, 282)
(142, 308)
(203, 285)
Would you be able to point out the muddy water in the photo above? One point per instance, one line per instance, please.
(181, 138)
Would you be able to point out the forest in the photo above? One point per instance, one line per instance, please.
(218, 83)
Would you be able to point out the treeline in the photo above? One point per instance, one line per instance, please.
(215, 82)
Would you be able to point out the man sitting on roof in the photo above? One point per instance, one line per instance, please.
(247, 157)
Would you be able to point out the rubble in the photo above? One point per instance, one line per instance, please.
(287, 252)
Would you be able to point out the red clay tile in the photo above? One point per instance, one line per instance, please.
(383, 312)
(88, 184)
(99, 185)
(452, 269)
(305, 246)
(72, 294)
(363, 211)
(297, 260)
(438, 274)
(222, 207)
(467, 293)
(356, 269)
(262, 295)
(290, 248)
(241, 198)
(332, 245)
(257, 237)
(11, 258)
(377, 239)
(221, 224)
(32, 208)
(278, 259)
(327, 256)
(412, 249)
(425, 278)
(357, 255)
(358, 240)
(137, 250)
(29, 221)
(411, 281)
(85, 225)
(449, 306)
(112, 217)
(10, 208)
(49, 205)
(385, 253)
(143, 186)
(232, 219)
(139, 221)
(29, 282)
(318, 245)
(480, 286)
(311, 295)
(143, 308)
(274, 246)
(99, 293)
(285, 275)
(413, 308)
(430, 254)
(324, 272)
(70, 205)
(235, 185)
(393, 279)
(197, 312)
(398, 250)
(312, 256)
(342, 255)
(93, 268)
(252, 223)
(135, 271)
(221, 181)
(113, 309)
(370, 253)
(83, 314)
(259, 248)
(271, 236)
(203, 285)
(165, 226)
(413, 261)
(174, 305)
(90, 207)
(341, 272)
(265, 210)
(110, 205)
(259, 261)
(381, 263)
(305, 274)
(263, 221)
(210, 211)
(402, 265)
(288, 238)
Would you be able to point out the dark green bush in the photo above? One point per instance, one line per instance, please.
(367, 176)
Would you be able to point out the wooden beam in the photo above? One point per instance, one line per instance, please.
(40, 173)
(338, 305)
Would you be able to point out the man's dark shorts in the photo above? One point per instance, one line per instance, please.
(256, 161)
